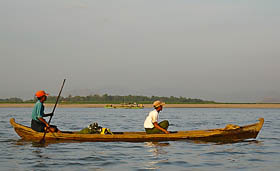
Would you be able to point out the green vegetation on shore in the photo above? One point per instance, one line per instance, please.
(116, 99)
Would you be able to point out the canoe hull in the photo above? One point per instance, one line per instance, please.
(211, 135)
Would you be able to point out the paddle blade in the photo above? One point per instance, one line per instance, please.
(42, 141)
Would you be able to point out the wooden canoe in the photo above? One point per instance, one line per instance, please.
(231, 133)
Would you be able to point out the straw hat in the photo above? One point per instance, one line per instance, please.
(158, 103)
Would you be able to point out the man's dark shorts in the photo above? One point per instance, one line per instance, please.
(40, 126)
(164, 124)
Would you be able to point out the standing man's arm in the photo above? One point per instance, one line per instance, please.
(49, 114)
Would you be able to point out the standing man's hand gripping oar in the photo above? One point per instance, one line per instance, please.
(47, 128)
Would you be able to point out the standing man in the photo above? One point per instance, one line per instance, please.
(151, 124)
(38, 123)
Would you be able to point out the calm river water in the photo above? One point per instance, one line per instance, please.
(260, 154)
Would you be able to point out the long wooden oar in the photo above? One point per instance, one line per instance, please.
(43, 139)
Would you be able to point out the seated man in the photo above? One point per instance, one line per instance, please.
(38, 123)
(151, 123)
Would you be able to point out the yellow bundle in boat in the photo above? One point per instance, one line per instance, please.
(106, 131)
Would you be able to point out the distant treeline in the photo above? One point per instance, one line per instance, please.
(11, 100)
(105, 99)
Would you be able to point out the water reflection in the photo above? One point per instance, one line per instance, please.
(38, 153)
(157, 145)
(40, 158)
(252, 141)
(259, 143)
(22, 142)
(40, 145)
(157, 150)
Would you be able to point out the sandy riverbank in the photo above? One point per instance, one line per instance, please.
(150, 105)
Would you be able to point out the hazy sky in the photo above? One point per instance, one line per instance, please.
(215, 50)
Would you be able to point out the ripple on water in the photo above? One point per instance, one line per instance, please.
(223, 153)
(181, 163)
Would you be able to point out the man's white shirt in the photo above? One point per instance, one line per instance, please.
(150, 119)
